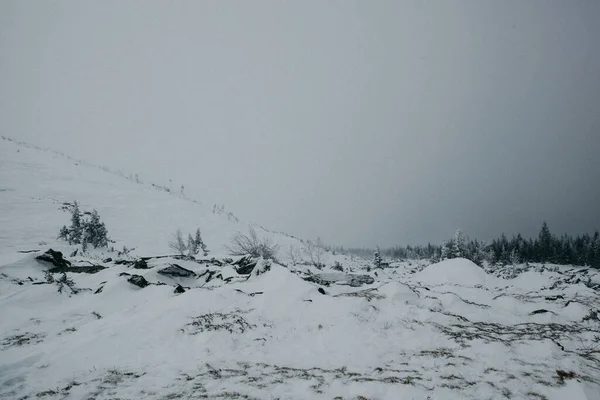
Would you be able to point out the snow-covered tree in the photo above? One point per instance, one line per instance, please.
(378, 260)
(199, 242)
(64, 233)
(459, 244)
(445, 251)
(76, 229)
(95, 231)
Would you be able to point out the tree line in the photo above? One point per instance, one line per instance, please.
(545, 248)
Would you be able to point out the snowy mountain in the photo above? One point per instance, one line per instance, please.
(148, 324)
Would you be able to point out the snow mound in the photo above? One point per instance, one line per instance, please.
(457, 271)
(398, 292)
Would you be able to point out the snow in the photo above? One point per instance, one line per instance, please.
(457, 271)
(444, 331)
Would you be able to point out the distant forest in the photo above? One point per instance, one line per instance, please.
(545, 248)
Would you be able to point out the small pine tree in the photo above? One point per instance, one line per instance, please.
(76, 230)
(199, 242)
(192, 246)
(378, 260)
(444, 251)
(64, 233)
(95, 231)
(459, 244)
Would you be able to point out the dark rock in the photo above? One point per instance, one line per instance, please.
(124, 274)
(107, 260)
(228, 260)
(553, 298)
(216, 262)
(54, 257)
(74, 254)
(138, 280)
(124, 262)
(140, 264)
(179, 289)
(340, 279)
(321, 290)
(175, 270)
(99, 290)
(210, 276)
(540, 311)
(245, 265)
(83, 269)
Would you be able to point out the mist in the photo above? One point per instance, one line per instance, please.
(363, 123)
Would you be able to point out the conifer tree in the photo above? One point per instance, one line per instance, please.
(76, 230)
(200, 242)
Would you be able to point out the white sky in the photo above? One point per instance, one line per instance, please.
(365, 123)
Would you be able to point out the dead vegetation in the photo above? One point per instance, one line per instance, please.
(232, 322)
(369, 294)
(22, 339)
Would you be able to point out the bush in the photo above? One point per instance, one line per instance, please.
(85, 231)
(251, 244)
(177, 244)
(193, 246)
(314, 252)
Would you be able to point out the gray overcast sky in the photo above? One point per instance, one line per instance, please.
(363, 122)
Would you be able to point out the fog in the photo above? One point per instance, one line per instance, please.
(364, 123)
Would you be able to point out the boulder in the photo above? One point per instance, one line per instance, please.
(140, 264)
(138, 280)
(175, 270)
(179, 289)
(55, 258)
(244, 265)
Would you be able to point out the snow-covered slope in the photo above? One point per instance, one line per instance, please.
(34, 184)
(443, 331)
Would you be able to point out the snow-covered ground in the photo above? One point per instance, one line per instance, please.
(444, 331)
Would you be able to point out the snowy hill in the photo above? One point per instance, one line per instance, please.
(255, 329)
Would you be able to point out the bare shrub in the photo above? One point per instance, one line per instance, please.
(253, 245)
(314, 252)
(178, 244)
(294, 255)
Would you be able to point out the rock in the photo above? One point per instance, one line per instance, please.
(244, 265)
(261, 267)
(216, 262)
(341, 279)
(107, 260)
(74, 254)
(540, 311)
(140, 264)
(138, 280)
(123, 262)
(179, 289)
(88, 269)
(124, 274)
(553, 298)
(321, 290)
(54, 257)
(175, 270)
